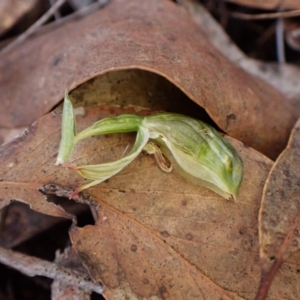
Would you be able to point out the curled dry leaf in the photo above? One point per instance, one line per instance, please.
(156, 234)
(157, 36)
(279, 216)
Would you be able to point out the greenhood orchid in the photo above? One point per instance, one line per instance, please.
(195, 149)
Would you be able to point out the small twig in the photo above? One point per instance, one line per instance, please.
(286, 14)
(266, 281)
(44, 18)
(32, 266)
(56, 14)
(280, 41)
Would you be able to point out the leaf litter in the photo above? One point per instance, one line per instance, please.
(54, 61)
(152, 227)
(153, 217)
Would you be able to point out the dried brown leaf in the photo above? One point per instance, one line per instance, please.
(157, 36)
(156, 233)
(16, 182)
(279, 216)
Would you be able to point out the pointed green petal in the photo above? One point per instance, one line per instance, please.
(122, 123)
(68, 131)
(99, 173)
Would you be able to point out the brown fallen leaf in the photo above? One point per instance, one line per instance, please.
(156, 36)
(279, 216)
(14, 187)
(284, 76)
(155, 228)
(156, 233)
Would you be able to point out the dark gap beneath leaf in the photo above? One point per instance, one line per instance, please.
(82, 211)
(256, 38)
(96, 296)
(42, 245)
(137, 87)
(15, 285)
(48, 234)
(22, 224)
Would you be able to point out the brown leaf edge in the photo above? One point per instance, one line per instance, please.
(277, 175)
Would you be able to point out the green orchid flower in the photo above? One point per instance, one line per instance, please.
(195, 149)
